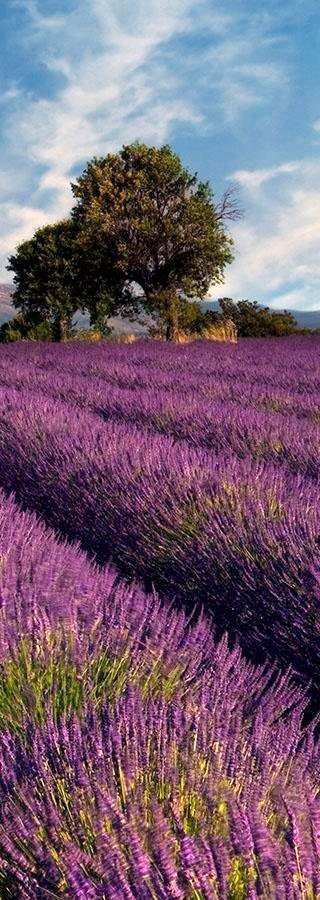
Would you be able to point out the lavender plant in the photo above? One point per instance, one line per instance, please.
(239, 537)
(138, 756)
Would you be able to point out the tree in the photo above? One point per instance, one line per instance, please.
(252, 320)
(183, 315)
(156, 234)
(45, 278)
(21, 329)
(98, 287)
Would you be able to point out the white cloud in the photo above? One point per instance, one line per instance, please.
(39, 21)
(18, 223)
(252, 180)
(242, 70)
(277, 257)
(302, 298)
(116, 90)
(10, 94)
(122, 72)
(122, 80)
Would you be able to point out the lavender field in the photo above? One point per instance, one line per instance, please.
(160, 620)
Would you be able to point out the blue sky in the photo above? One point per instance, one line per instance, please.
(233, 85)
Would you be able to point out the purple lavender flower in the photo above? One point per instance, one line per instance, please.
(141, 755)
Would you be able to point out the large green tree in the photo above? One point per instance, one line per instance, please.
(59, 271)
(151, 231)
(44, 278)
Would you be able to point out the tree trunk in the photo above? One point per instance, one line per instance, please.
(170, 331)
(172, 320)
(63, 327)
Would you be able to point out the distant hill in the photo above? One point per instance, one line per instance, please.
(304, 319)
(5, 303)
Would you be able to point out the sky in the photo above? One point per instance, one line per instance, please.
(232, 85)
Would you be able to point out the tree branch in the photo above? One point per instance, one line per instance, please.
(228, 207)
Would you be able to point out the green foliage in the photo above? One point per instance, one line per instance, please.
(32, 682)
(45, 278)
(252, 320)
(20, 328)
(43, 331)
(239, 879)
(14, 330)
(145, 235)
(89, 334)
(52, 678)
(146, 221)
(97, 286)
(173, 314)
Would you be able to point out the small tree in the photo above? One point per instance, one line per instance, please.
(151, 225)
(45, 278)
(252, 320)
(21, 329)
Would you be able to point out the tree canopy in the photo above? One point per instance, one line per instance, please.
(252, 320)
(44, 277)
(145, 236)
(54, 277)
(154, 228)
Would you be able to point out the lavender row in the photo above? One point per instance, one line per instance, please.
(207, 790)
(145, 801)
(238, 537)
(84, 386)
(45, 584)
(288, 367)
(218, 424)
(283, 364)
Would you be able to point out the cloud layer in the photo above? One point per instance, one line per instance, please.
(277, 247)
(99, 73)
